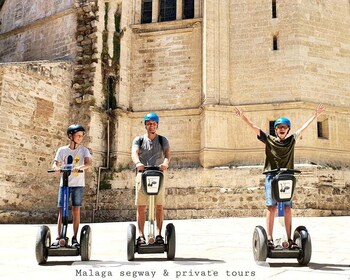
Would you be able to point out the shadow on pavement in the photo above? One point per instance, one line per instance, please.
(314, 266)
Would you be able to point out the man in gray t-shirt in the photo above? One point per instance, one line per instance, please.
(150, 149)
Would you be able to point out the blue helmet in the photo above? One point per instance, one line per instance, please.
(151, 117)
(283, 121)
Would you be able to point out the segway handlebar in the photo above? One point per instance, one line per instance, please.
(63, 170)
(150, 167)
(280, 171)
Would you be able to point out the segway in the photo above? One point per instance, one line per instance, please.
(151, 183)
(282, 188)
(43, 247)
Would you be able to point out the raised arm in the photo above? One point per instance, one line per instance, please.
(239, 113)
(319, 110)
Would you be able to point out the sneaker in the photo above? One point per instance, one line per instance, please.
(75, 243)
(141, 240)
(56, 244)
(292, 245)
(270, 244)
(159, 240)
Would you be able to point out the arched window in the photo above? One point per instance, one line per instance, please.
(188, 9)
(167, 10)
(146, 16)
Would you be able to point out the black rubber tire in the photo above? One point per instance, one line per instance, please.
(85, 243)
(259, 244)
(170, 239)
(303, 239)
(42, 244)
(131, 238)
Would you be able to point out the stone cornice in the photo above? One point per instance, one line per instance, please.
(166, 26)
(36, 23)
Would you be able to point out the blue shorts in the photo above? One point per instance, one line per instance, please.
(269, 201)
(76, 194)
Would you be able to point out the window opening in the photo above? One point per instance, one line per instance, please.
(167, 10)
(274, 9)
(275, 43)
(272, 128)
(111, 84)
(146, 14)
(188, 9)
(323, 129)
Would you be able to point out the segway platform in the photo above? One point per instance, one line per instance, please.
(63, 251)
(151, 249)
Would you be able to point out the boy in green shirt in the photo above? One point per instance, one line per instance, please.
(279, 152)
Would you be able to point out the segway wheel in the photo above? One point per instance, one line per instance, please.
(259, 244)
(85, 243)
(42, 244)
(170, 239)
(131, 237)
(303, 240)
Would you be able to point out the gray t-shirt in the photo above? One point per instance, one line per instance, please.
(151, 152)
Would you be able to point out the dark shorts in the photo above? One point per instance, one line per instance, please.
(75, 193)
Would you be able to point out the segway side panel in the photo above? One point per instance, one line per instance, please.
(259, 244)
(85, 243)
(170, 239)
(42, 244)
(303, 240)
(131, 236)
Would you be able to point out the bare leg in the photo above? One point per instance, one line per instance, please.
(59, 221)
(270, 218)
(159, 218)
(141, 218)
(76, 220)
(288, 221)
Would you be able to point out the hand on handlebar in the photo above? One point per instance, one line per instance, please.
(163, 166)
(140, 166)
(57, 170)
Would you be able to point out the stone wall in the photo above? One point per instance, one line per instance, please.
(35, 112)
(206, 193)
(37, 30)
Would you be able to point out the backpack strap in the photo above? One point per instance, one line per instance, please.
(141, 140)
(160, 140)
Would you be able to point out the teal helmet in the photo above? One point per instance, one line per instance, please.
(151, 117)
(283, 121)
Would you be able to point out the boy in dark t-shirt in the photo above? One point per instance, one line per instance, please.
(279, 152)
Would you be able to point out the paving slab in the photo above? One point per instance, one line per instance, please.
(205, 249)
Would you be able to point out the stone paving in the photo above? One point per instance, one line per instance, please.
(206, 249)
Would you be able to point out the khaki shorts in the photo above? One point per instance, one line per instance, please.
(142, 198)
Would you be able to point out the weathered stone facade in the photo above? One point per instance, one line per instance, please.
(191, 72)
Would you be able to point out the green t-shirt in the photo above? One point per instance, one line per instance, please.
(279, 154)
